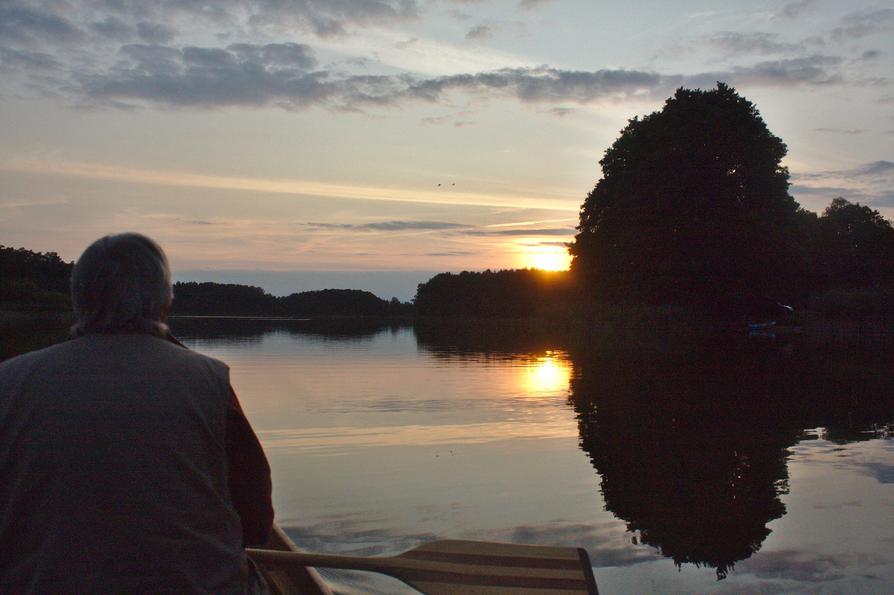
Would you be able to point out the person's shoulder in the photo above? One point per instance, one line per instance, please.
(32, 358)
(180, 351)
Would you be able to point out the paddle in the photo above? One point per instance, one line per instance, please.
(454, 566)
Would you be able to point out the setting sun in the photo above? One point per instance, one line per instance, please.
(558, 260)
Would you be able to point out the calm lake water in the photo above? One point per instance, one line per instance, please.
(682, 464)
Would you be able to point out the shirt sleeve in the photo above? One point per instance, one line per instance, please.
(249, 476)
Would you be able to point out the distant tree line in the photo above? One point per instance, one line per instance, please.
(33, 280)
(844, 253)
(226, 299)
(495, 294)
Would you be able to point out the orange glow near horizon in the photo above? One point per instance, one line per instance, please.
(552, 260)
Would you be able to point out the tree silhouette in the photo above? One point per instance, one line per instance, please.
(692, 208)
(856, 246)
(33, 280)
(213, 299)
(494, 294)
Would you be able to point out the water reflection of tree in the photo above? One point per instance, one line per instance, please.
(253, 329)
(484, 340)
(691, 447)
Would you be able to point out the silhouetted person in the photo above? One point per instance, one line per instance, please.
(126, 463)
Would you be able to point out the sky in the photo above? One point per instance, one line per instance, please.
(303, 144)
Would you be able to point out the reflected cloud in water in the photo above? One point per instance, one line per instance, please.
(344, 439)
(608, 543)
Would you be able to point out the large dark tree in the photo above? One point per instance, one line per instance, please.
(692, 208)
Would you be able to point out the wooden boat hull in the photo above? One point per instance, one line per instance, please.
(289, 580)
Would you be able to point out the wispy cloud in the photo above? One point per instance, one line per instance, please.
(848, 131)
(549, 231)
(48, 22)
(793, 72)
(796, 9)
(869, 183)
(391, 225)
(735, 42)
(29, 203)
(863, 23)
(479, 33)
(796, 565)
(309, 188)
(26, 60)
(126, 58)
(155, 32)
(529, 4)
(284, 75)
(22, 23)
(254, 76)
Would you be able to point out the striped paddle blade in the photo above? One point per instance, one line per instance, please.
(473, 567)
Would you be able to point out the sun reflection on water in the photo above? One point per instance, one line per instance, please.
(547, 375)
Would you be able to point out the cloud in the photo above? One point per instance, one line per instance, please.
(883, 472)
(546, 244)
(607, 543)
(875, 168)
(30, 25)
(479, 33)
(29, 203)
(26, 60)
(284, 75)
(552, 231)
(237, 76)
(529, 4)
(733, 42)
(241, 74)
(328, 18)
(155, 32)
(158, 20)
(390, 225)
(459, 15)
(453, 119)
(871, 169)
(490, 29)
(850, 131)
(544, 84)
(863, 23)
(810, 70)
(453, 253)
(795, 9)
(560, 112)
(113, 28)
(869, 183)
(794, 565)
(402, 45)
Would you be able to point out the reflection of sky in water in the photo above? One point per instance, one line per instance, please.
(378, 445)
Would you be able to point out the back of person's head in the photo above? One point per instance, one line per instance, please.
(121, 283)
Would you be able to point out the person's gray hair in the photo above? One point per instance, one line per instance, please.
(121, 283)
